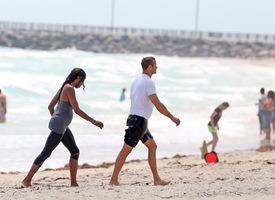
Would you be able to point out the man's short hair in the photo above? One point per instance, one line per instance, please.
(262, 91)
(146, 61)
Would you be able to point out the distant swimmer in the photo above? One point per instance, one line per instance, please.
(213, 126)
(122, 96)
(3, 107)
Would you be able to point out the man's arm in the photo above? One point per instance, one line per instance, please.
(162, 109)
(212, 118)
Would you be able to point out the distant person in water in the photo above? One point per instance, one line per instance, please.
(65, 102)
(3, 107)
(122, 96)
(143, 99)
(213, 126)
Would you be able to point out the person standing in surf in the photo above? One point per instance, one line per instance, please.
(261, 109)
(122, 96)
(3, 107)
(143, 99)
(268, 113)
(62, 116)
(213, 126)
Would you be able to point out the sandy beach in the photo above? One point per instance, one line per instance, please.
(245, 175)
(238, 175)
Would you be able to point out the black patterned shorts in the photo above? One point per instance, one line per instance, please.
(137, 130)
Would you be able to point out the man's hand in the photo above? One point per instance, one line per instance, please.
(176, 120)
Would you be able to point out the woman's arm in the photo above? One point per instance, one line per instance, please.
(53, 103)
(70, 93)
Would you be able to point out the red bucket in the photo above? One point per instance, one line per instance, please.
(211, 157)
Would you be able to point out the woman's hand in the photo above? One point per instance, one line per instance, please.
(98, 124)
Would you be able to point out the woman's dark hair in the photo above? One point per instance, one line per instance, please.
(76, 72)
(146, 61)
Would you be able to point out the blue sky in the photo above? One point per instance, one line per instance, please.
(235, 16)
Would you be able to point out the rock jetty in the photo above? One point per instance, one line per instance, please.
(131, 43)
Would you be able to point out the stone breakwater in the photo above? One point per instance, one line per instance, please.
(126, 43)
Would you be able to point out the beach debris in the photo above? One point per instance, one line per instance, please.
(203, 149)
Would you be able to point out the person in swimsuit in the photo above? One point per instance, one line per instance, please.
(213, 126)
(143, 99)
(122, 96)
(3, 107)
(62, 116)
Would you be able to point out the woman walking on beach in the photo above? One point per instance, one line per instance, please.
(213, 126)
(267, 113)
(62, 116)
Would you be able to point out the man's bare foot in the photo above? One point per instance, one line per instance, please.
(161, 182)
(26, 184)
(115, 183)
(74, 185)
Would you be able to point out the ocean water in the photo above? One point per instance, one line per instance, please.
(191, 88)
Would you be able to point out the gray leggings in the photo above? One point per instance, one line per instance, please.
(52, 142)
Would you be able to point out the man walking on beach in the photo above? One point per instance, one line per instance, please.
(143, 99)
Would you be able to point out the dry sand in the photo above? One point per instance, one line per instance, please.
(238, 175)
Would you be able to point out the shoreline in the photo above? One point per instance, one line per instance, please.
(106, 165)
(103, 165)
(239, 175)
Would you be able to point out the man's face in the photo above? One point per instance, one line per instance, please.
(154, 67)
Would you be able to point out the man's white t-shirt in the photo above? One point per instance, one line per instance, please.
(263, 98)
(142, 87)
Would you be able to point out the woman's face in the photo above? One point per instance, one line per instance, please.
(79, 81)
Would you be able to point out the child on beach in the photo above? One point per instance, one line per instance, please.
(213, 126)
(143, 100)
(62, 116)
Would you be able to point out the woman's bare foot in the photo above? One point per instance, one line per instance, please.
(26, 184)
(161, 182)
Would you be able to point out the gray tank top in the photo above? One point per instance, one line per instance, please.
(61, 118)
